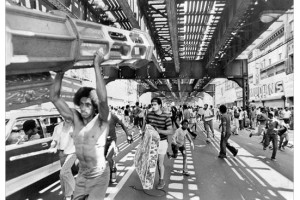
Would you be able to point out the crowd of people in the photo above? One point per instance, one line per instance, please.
(87, 136)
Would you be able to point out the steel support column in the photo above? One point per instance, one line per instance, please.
(245, 85)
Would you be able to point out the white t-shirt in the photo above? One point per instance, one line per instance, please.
(64, 140)
(207, 113)
(286, 114)
(179, 136)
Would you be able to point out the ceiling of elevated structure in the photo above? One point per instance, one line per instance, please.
(195, 40)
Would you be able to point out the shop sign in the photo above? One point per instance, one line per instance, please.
(267, 90)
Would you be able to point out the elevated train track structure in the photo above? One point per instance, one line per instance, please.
(184, 45)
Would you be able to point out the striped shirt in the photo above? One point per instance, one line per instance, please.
(161, 121)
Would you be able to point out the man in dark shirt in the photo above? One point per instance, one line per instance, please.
(262, 119)
(225, 134)
(126, 115)
(174, 116)
(111, 139)
(136, 111)
(271, 135)
(163, 125)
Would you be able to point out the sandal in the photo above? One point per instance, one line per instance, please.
(185, 173)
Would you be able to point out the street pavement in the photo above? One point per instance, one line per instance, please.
(249, 175)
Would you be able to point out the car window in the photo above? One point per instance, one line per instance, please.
(17, 134)
(50, 122)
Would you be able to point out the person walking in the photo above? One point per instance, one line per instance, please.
(163, 125)
(91, 128)
(283, 133)
(174, 116)
(225, 134)
(208, 122)
(193, 120)
(271, 135)
(235, 119)
(111, 141)
(178, 143)
(253, 117)
(262, 118)
(187, 116)
(136, 111)
(62, 142)
(241, 118)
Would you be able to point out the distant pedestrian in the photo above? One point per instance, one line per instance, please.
(208, 122)
(271, 135)
(225, 134)
(187, 116)
(283, 133)
(262, 118)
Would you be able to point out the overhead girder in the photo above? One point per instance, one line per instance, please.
(171, 8)
(189, 70)
(240, 19)
(130, 15)
(247, 27)
(185, 88)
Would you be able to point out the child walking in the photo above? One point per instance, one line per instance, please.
(178, 143)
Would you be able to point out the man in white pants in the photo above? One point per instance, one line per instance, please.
(63, 142)
(208, 122)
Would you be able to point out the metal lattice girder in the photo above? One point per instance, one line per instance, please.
(129, 14)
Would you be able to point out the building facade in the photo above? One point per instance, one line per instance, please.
(270, 70)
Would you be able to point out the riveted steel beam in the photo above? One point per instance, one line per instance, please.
(172, 20)
(130, 15)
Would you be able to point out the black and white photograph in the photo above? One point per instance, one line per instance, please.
(149, 99)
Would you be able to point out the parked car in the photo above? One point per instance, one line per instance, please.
(24, 164)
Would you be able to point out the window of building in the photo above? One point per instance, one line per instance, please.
(270, 72)
(291, 27)
(280, 69)
(290, 66)
(270, 61)
(263, 75)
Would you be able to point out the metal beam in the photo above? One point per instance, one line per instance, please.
(60, 6)
(179, 87)
(172, 20)
(171, 8)
(128, 12)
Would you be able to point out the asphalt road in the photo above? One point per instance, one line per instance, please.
(249, 175)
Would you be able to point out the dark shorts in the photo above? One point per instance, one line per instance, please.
(175, 149)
